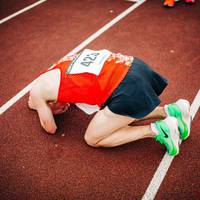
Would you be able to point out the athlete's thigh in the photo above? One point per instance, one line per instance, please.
(105, 123)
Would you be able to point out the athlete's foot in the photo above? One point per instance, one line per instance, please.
(181, 110)
(166, 132)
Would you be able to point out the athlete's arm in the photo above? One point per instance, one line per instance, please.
(44, 111)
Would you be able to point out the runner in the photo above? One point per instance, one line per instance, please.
(120, 89)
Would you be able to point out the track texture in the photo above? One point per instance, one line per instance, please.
(35, 165)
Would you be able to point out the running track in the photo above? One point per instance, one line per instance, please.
(35, 165)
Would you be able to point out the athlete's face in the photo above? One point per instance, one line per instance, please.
(59, 108)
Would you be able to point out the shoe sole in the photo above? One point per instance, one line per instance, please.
(172, 124)
(185, 118)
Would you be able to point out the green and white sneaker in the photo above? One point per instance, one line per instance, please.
(167, 133)
(181, 110)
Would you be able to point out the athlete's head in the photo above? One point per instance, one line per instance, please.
(56, 108)
(59, 108)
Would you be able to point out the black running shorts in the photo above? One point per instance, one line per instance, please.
(138, 93)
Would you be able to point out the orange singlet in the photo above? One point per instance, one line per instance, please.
(89, 88)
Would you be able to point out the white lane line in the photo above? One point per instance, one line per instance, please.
(20, 94)
(164, 165)
(106, 27)
(21, 11)
(195, 105)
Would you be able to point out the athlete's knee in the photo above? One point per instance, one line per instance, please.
(91, 140)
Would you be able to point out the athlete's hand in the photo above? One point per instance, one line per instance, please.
(59, 108)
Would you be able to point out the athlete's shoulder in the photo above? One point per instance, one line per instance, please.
(47, 84)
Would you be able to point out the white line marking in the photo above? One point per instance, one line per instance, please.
(106, 27)
(21, 11)
(164, 165)
(195, 105)
(133, 0)
(20, 94)
(167, 159)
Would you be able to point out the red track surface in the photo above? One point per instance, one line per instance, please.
(8, 7)
(34, 165)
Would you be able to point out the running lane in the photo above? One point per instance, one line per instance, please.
(8, 7)
(162, 42)
(34, 40)
(35, 165)
(183, 179)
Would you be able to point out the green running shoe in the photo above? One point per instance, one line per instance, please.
(181, 110)
(168, 134)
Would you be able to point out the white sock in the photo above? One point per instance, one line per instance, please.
(166, 111)
(154, 129)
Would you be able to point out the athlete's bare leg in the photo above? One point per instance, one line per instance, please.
(108, 129)
(157, 113)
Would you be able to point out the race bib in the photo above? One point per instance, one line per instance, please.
(89, 61)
